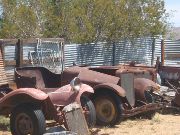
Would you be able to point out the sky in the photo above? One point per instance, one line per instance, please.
(173, 7)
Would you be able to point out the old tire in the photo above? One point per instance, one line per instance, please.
(88, 105)
(26, 120)
(108, 108)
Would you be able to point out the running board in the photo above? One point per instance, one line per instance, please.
(141, 109)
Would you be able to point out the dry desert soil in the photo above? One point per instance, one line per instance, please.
(160, 124)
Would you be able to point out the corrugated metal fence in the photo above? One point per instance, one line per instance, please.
(139, 51)
(110, 53)
(142, 50)
(171, 51)
(91, 54)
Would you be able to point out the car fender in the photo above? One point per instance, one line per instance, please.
(110, 86)
(143, 84)
(32, 93)
(65, 95)
(85, 90)
(22, 96)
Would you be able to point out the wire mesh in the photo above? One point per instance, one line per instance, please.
(48, 54)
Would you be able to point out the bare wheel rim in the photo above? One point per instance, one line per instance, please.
(105, 110)
(24, 124)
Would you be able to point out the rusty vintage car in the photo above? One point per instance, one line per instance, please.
(164, 75)
(118, 93)
(48, 82)
(29, 108)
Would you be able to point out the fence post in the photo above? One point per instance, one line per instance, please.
(19, 53)
(162, 52)
(114, 54)
(2, 48)
(153, 49)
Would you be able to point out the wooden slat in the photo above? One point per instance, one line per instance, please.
(3, 77)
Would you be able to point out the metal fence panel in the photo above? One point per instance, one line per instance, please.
(91, 54)
(172, 53)
(140, 51)
(101, 53)
(3, 76)
(9, 55)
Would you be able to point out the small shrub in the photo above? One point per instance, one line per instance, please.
(4, 123)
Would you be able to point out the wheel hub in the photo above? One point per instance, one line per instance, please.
(24, 124)
(105, 110)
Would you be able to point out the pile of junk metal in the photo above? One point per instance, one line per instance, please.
(81, 96)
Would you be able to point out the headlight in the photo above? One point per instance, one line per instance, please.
(76, 84)
(158, 80)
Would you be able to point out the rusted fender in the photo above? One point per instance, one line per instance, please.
(69, 73)
(94, 78)
(86, 90)
(65, 95)
(20, 96)
(142, 84)
(110, 86)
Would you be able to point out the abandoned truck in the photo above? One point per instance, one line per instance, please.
(116, 95)
(29, 108)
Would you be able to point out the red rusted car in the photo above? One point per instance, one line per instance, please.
(163, 75)
(48, 82)
(118, 92)
(30, 107)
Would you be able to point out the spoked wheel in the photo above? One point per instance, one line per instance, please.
(89, 109)
(27, 121)
(108, 109)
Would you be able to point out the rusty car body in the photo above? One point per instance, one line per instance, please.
(30, 107)
(48, 82)
(117, 93)
(165, 76)
(170, 77)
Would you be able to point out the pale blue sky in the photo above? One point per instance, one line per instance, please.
(174, 6)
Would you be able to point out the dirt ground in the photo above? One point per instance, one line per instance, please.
(159, 125)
